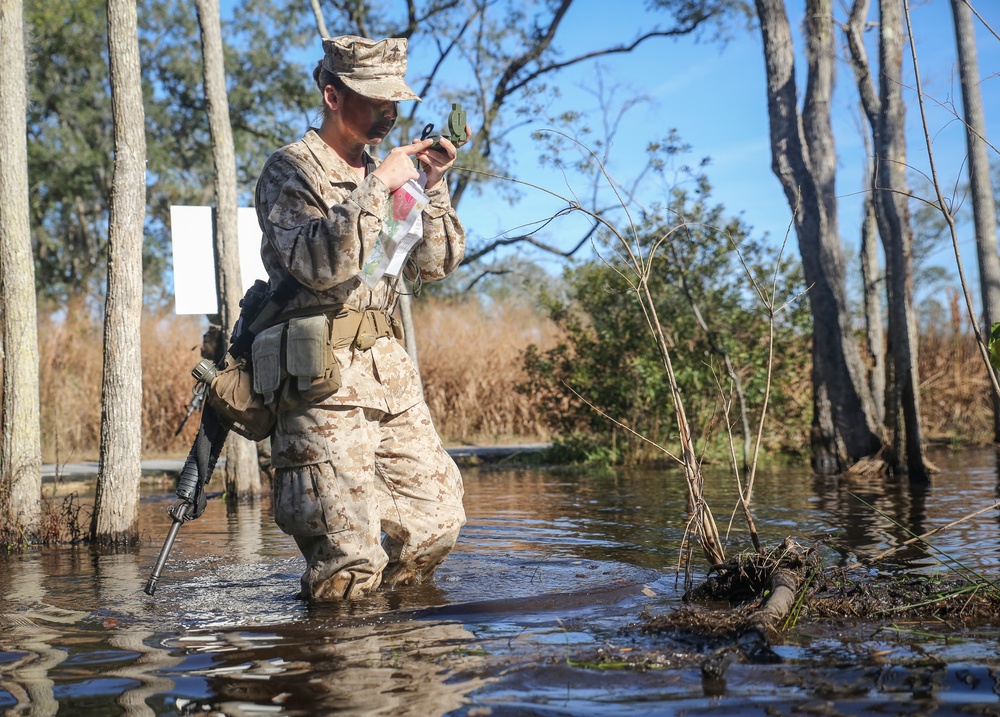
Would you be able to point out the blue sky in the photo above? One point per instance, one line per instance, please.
(715, 98)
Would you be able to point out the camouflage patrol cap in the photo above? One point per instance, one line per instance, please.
(373, 69)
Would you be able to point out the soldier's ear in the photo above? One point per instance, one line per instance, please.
(331, 97)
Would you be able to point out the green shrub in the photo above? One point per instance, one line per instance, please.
(609, 366)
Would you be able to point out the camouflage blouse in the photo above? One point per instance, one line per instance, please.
(320, 224)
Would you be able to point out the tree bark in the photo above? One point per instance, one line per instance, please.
(241, 470)
(983, 207)
(20, 444)
(844, 427)
(115, 519)
(890, 191)
(874, 327)
(873, 282)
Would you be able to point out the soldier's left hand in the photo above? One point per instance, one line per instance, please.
(435, 162)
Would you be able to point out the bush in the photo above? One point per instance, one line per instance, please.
(609, 367)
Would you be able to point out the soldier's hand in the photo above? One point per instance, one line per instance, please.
(439, 160)
(397, 168)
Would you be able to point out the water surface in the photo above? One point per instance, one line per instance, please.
(553, 569)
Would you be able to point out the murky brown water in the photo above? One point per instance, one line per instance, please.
(552, 568)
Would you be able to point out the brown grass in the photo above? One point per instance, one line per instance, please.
(70, 375)
(954, 384)
(470, 359)
(70, 385)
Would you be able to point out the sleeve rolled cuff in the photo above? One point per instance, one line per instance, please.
(440, 200)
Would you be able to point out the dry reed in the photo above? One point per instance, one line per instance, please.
(954, 386)
(470, 360)
(70, 352)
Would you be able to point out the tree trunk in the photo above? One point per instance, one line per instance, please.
(890, 191)
(20, 445)
(874, 328)
(873, 284)
(115, 519)
(241, 469)
(844, 428)
(983, 207)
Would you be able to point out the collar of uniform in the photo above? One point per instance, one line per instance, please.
(332, 163)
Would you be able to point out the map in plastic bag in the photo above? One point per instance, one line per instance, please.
(402, 229)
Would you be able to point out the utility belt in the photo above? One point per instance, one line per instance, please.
(351, 326)
(294, 361)
(290, 364)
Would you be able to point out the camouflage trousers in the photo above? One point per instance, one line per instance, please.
(385, 508)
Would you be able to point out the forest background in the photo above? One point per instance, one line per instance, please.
(537, 331)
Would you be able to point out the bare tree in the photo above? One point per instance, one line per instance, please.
(890, 191)
(115, 519)
(20, 445)
(241, 469)
(845, 428)
(983, 206)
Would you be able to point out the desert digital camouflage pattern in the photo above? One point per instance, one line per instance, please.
(367, 460)
(371, 68)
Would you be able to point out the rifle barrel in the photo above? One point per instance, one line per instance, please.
(154, 577)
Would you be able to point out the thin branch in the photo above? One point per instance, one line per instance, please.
(482, 275)
(970, 306)
(621, 425)
(601, 53)
(320, 23)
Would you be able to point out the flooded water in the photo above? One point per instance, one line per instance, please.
(553, 570)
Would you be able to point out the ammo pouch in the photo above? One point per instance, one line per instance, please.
(230, 393)
(294, 363)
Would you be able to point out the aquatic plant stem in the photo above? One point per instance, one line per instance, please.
(923, 537)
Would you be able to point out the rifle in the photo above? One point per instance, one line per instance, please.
(258, 310)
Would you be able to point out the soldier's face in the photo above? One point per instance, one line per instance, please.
(367, 119)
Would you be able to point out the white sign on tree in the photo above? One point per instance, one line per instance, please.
(194, 257)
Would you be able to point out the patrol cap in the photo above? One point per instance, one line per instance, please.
(373, 69)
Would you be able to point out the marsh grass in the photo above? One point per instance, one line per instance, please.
(471, 365)
(955, 389)
(470, 358)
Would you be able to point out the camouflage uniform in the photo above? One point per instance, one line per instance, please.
(361, 480)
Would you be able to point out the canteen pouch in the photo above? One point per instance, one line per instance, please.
(312, 368)
(232, 396)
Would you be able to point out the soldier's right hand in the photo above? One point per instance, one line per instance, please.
(397, 168)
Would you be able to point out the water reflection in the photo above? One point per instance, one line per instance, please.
(118, 579)
(30, 627)
(412, 668)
